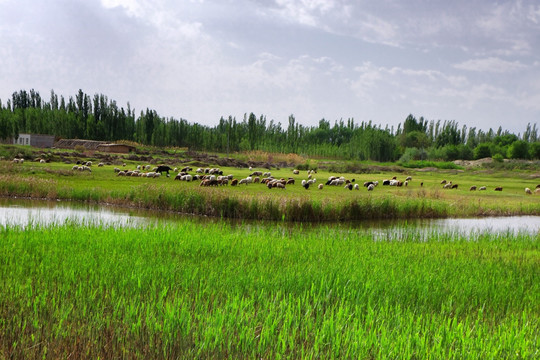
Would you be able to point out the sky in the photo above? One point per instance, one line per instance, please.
(473, 61)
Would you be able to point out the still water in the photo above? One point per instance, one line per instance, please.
(23, 213)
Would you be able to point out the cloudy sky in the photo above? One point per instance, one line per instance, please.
(473, 61)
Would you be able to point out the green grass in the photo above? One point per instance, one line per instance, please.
(218, 290)
(255, 201)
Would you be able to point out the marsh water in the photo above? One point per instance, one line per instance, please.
(23, 213)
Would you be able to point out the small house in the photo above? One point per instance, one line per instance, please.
(35, 140)
(116, 148)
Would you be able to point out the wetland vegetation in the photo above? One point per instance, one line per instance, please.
(194, 290)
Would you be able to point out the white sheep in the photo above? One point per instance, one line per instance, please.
(370, 187)
(482, 188)
(320, 186)
(356, 187)
(528, 191)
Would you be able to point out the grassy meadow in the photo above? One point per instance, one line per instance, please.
(255, 201)
(190, 290)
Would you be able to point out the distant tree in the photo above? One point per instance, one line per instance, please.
(482, 151)
(534, 150)
(519, 150)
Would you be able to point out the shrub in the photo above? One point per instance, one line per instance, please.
(498, 158)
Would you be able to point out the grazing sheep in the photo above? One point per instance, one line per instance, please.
(121, 173)
(41, 161)
(296, 172)
(250, 168)
(100, 164)
(537, 191)
(409, 178)
(75, 167)
(482, 188)
(386, 182)
(280, 185)
(256, 173)
(234, 182)
(538, 186)
(528, 191)
(473, 188)
(356, 187)
(421, 184)
(116, 170)
(406, 183)
(291, 181)
(186, 169)
(447, 185)
(138, 167)
(443, 182)
(454, 186)
(306, 185)
(498, 188)
(349, 186)
(370, 187)
(320, 186)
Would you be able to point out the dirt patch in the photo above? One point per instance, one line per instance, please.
(473, 163)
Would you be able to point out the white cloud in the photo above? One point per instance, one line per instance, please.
(491, 64)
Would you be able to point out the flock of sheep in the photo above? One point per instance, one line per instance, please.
(215, 177)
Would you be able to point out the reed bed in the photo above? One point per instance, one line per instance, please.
(219, 290)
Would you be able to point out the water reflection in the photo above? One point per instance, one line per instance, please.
(31, 212)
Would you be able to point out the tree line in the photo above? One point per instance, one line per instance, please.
(99, 118)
